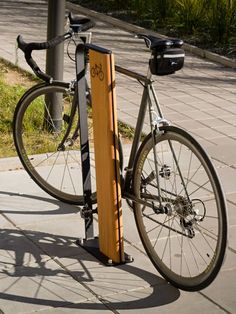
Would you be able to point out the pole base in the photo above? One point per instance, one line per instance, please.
(92, 247)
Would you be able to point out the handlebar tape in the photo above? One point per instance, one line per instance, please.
(27, 48)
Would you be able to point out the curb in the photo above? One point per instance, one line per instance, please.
(10, 164)
(138, 29)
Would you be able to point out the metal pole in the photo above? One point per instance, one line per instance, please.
(55, 58)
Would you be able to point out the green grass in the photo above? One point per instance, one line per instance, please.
(13, 83)
(127, 131)
(9, 96)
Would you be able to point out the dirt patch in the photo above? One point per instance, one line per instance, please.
(12, 78)
(11, 75)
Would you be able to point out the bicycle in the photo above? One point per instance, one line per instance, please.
(170, 182)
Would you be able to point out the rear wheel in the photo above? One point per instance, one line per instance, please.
(187, 241)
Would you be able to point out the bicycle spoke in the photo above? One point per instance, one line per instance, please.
(54, 163)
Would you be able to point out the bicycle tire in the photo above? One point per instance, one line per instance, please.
(54, 170)
(186, 243)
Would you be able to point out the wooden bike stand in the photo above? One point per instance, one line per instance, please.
(109, 246)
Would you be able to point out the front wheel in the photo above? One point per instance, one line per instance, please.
(46, 136)
(183, 225)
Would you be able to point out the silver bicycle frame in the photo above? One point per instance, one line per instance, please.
(156, 119)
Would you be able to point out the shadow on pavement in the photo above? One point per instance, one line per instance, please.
(30, 254)
(62, 208)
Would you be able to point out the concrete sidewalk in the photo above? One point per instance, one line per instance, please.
(41, 268)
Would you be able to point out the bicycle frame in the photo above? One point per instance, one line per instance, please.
(156, 119)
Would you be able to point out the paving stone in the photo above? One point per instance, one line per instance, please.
(197, 115)
(222, 290)
(219, 112)
(130, 230)
(181, 108)
(232, 236)
(224, 139)
(108, 281)
(164, 300)
(16, 250)
(227, 176)
(202, 105)
(190, 125)
(226, 130)
(214, 122)
(231, 119)
(59, 239)
(176, 117)
(230, 257)
(225, 152)
(232, 197)
(88, 307)
(231, 211)
(206, 133)
(28, 289)
(232, 109)
(24, 209)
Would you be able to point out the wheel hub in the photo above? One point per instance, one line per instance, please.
(184, 209)
(165, 172)
(182, 206)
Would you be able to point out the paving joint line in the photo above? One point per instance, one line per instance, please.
(214, 302)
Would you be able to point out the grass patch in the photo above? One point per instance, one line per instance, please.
(127, 131)
(13, 84)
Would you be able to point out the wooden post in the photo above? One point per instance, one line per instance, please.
(102, 72)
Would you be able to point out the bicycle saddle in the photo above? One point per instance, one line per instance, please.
(159, 44)
(79, 24)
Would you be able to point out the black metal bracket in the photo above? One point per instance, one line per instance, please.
(80, 90)
(92, 247)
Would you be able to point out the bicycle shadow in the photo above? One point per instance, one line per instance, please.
(25, 254)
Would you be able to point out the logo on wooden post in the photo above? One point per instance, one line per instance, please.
(96, 70)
